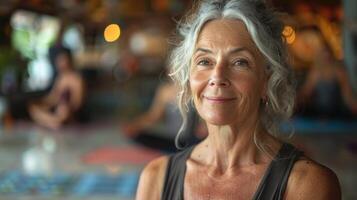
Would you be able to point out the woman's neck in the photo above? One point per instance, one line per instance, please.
(229, 148)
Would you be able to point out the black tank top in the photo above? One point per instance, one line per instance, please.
(272, 186)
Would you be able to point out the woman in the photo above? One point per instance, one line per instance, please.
(64, 99)
(232, 64)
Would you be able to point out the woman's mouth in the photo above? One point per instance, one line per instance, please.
(219, 99)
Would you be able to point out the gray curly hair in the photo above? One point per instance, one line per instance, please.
(265, 28)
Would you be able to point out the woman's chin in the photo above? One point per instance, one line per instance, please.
(219, 121)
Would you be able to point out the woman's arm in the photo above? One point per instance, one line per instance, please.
(347, 91)
(46, 118)
(77, 91)
(309, 180)
(42, 114)
(152, 180)
(309, 84)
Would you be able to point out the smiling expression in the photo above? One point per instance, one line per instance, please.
(227, 78)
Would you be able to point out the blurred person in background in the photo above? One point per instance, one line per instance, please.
(64, 99)
(232, 64)
(327, 92)
(158, 126)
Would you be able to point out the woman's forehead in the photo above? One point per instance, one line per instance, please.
(225, 33)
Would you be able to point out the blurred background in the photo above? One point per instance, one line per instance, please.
(52, 148)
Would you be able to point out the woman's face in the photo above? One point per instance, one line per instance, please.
(63, 62)
(227, 77)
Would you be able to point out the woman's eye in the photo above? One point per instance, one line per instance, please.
(203, 62)
(241, 63)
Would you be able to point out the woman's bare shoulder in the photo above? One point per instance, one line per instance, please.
(75, 76)
(72, 78)
(152, 179)
(311, 180)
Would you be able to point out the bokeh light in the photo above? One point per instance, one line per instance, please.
(289, 34)
(112, 33)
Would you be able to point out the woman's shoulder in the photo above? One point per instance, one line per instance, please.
(156, 165)
(72, 77)
(311, 180)
(152, 179)
(75, 76)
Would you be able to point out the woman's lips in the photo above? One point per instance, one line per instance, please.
(220, 99)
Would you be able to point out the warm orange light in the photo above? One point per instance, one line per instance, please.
(289, 34)
(112, 32)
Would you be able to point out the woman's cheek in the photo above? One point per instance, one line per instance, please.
(197, 82)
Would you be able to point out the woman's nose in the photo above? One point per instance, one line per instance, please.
(219, 77)
(219, 82)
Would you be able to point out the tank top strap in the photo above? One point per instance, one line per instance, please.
(175, 175)
(273, 184)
